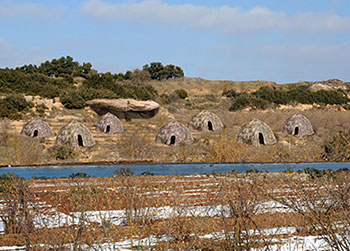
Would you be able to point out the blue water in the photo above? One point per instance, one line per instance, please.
(164, 169)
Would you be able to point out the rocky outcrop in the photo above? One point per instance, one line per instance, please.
(125, 108)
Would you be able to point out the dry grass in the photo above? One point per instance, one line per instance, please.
(137, 143)
(233, 213)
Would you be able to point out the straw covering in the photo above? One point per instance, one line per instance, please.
(257, 133)
(173, 133)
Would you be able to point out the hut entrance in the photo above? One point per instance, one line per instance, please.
(261, 139)
(172, 140)
(296, 130)
(108, 128)
(210, 126)
(80, 140)
(35, 134)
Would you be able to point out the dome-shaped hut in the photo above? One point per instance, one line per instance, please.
(37, 128)
(109, 123)
(257, 133)
(206, 121)
(75, 135)
(298, 125)
(173, 133)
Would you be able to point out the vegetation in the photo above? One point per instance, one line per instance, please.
(13, 106)
(79, 175)
(250, 211)
(57, 78)
(160, 72)
(338, 147)
(268, 95)
(124, 172)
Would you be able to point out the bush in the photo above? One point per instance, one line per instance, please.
(71, 99)
(11, 106)
(267, 95)
(159, 72)
(146, 173)
(245, 100)
(123, 172)
(338, 147)
(181, 93)
(79, 175)
(63, 152)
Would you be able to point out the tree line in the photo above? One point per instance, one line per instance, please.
(56, 78)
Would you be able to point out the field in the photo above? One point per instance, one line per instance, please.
(256, 211)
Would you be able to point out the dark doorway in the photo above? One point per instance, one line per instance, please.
(296, 130)
(108, 128)
(261, 139)
(172, 140)
(80, 140)
(210, 126)
(35, 134)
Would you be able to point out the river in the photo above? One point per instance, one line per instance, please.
(164, 169)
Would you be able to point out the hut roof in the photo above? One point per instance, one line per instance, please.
(298, 125)
(257, 133)
(109, 123)
(173, 133)
(75, 135)
(206, 121)
(37, 128)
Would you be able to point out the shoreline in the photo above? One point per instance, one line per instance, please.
(140, 162)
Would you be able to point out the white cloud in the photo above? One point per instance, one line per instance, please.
(10, 9)
(225, 18)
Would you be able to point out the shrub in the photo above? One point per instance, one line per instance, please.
(123, 172)
(159, 72)
(246, 100)
(146, 173)
(230, 93)
(271, 95)
(79, 175)
(181, 93)
(338, 147)
(71, 99)
(63, 152)
(11, 106)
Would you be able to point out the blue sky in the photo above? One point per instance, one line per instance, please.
(282, 41)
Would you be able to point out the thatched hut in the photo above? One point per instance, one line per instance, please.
(257, 133)
(173, 133)
(206, 121)
(109, 123)
(298, 125)
(75, 135)
(37, 128)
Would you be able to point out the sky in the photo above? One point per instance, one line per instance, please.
(240, 40)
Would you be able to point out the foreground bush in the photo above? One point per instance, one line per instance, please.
(338, 147)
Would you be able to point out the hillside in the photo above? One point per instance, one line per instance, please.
(137, 143)
(58, 95)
